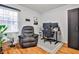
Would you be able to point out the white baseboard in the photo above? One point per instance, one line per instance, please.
(51, 51)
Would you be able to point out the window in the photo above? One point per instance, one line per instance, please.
(9, 18)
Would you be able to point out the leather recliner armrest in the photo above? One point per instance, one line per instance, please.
(35, 35)
(20, 37)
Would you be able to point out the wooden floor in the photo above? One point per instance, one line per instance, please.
(65, 50)
(36, 50)
(19, 50)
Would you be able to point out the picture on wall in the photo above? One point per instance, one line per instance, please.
(35, 21)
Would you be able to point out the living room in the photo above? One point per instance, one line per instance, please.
(37, 17)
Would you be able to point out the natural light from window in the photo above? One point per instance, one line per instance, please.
(9, 18)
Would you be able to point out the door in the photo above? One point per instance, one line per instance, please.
(73, 28)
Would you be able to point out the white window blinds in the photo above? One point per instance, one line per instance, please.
(9, 18)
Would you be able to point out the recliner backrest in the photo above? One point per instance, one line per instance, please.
(28, 31)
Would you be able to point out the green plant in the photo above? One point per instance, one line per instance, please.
(1, 42)
(3, 28)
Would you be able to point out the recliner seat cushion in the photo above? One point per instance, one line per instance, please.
(29, 44)
(28, 39)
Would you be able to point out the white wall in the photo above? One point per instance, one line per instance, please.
(59, 15)
(25, 13)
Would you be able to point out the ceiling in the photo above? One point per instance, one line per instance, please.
(41, 8)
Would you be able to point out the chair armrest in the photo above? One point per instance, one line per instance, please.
(35, 35)
(20, 37)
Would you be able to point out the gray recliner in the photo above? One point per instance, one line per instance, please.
(27, 37)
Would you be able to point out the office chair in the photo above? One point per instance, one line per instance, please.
(49, 32)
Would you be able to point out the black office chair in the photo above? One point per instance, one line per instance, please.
(49, 33)
(27, 37)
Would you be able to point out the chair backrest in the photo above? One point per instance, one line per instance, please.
(28, 31)
(48, 27)
(54, 25)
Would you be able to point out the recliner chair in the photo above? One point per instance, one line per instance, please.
(27, 37)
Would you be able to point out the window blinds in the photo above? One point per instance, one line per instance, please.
(9, 18)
